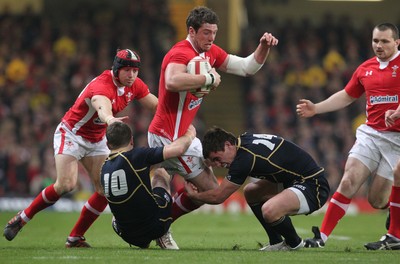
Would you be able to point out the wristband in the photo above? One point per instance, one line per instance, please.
(210, 79)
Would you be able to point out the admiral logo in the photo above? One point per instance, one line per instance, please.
(386, 99)
(195, 103)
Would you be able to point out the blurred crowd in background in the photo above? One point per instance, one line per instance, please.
(46, 61)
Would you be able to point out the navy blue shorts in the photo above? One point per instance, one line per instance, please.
(155, 227)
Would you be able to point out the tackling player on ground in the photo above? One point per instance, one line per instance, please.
(177, 106)
(289, 181)
(142, 210)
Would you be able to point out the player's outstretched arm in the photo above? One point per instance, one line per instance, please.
(179, 146)
(305, 108)
(337, 101)
(103, 107)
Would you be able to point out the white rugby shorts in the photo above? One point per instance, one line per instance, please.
(378, 150)
(66, 142)
(190, 165)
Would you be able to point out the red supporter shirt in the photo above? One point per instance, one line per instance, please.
(381, 88)
(82, 119)
(176, 110)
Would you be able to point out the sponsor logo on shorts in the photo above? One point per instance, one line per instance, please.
(166, 197)
(300, 187)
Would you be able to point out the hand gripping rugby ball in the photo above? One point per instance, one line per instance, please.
(199, 65)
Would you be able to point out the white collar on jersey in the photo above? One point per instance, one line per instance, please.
(120, 89)
(384, 64)
(200, 54)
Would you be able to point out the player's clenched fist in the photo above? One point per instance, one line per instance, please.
(268, 39)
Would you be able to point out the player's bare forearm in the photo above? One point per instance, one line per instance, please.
(103, 107)
(180, 146)
(215, 196)
(208, 197)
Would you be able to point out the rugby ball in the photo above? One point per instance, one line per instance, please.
(199, 65)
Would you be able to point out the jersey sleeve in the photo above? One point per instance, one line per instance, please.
(100, 88)
(152, 156)
(181, 57)
(354, 87)
(140, 88)
(240, 168)
(219, 55)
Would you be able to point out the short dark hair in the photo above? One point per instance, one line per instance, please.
(118, 135)
(200, 15)
(214, 140)
(389, 26)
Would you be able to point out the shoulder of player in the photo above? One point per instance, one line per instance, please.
(181, 53)
(141, 151)
(104, 79)
(370, 64)
(105, 76)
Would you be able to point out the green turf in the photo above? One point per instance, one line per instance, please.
(203, 238)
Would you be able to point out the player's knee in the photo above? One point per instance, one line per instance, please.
(249, 193)
(63, 187)
(162, 173)
(347, 187)
(396, 174)
(161, 179)
(377, 202)
(270, 213)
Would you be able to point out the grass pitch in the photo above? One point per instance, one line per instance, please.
(202, 238)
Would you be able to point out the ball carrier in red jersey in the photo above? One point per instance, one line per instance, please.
(377, 149)
(80, 137)
(178, 106)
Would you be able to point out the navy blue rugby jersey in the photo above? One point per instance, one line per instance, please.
(125, 178)
(273, 158)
